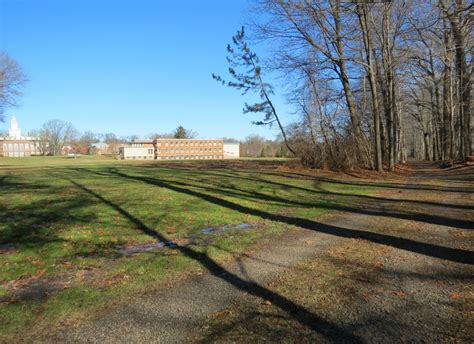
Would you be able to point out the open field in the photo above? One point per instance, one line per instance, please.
(67, 225)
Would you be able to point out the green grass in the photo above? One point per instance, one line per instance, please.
(67, 218)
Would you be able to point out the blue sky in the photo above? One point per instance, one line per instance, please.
(128, 67)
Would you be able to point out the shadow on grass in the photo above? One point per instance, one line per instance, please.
(31, 224)
(271, 168)
(318, 190)
(367, 205)
(297, 312)
(436, 251)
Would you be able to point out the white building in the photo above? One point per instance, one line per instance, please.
(231, 150)
(17, 145)
(138, 150)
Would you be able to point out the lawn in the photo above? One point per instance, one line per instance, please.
(71, 228)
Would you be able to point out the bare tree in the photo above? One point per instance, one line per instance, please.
(56, 134)
(113, 142)
(363, 13)
(371, 81)
(12, 80)
(82, 143)
(459, 14)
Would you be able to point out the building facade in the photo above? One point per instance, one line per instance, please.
(188, 149)
(179, 149)
(99, 148)
(231, 150)
(138, 150)
(17, 145)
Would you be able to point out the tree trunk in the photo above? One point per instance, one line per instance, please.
(389, 85)
(341, 63)
(464, 80)
(362, 14)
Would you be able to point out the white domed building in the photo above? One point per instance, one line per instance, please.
(17, 145)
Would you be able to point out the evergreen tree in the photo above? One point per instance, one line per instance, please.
(180, 133)
(250, 78)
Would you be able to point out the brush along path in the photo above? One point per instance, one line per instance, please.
(395, 266)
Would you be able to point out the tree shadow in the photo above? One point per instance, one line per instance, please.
(317, 190)
(31, 225)
(7, 185)
(370, 205)
(367, 205)
(390, 185)
(372, 301)
(437, 251)
(298, 312)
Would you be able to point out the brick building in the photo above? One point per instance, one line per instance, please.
(188, 149)
(174, 149)
(17, 145)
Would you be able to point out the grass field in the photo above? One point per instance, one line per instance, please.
(65, 221)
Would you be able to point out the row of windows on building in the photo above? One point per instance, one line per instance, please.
(192, 157)
(188, 150)
(179, 157)
(18, 146)
(13, 154)
(192, 143)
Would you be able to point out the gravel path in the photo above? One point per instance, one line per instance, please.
(169, 317)
(435, 249)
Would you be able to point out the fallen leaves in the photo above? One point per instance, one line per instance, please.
(39, 273)
(222, 313)
(114, 280)
(37, 262)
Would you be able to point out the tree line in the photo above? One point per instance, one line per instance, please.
(255, 146)
(57, 137)
(373, 82)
